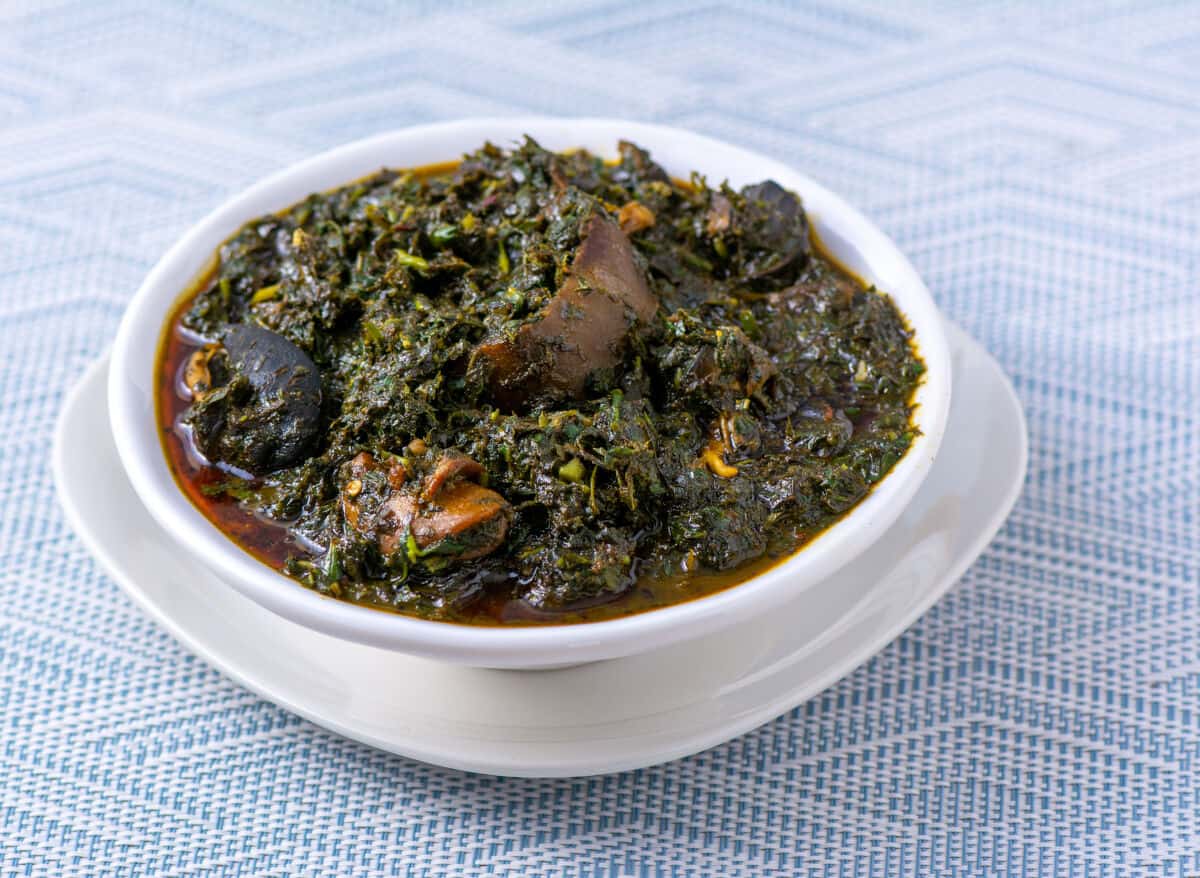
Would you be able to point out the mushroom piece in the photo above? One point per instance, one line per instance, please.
(257, 401)
(582, 331)
(447, 514)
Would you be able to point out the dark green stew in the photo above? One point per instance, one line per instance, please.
(532, 386)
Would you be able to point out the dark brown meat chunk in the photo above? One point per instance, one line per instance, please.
(263, 412)
(582, 331)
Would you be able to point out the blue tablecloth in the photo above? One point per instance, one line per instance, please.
(1041, 165)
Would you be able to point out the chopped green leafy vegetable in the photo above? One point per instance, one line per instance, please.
(533, 386)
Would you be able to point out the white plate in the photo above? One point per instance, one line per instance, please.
(591, 719)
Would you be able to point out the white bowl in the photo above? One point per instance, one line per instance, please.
(853, 240)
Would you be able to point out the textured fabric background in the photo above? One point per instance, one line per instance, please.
(1042, 168)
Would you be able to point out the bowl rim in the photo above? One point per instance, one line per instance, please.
(131, 398)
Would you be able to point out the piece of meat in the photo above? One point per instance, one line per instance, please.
(463, 521)
(774, 230)
(266, 413)
(448, 513)
(584, 329)
(451, 465)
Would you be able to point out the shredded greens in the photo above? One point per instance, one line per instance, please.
(543, 379)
